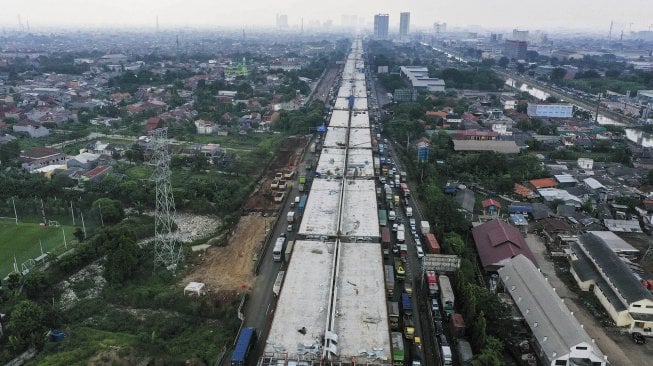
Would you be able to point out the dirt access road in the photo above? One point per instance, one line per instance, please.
(229, 270)
(620, 349)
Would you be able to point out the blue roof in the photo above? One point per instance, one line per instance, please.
(520, 208)
(518, 219)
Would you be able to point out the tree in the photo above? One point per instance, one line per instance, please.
(122, 260)
(552, 99)
(27, 324)
(37, 285)
(521, 68)
(108, 211)
(649, 178)
(503, 62)
(9, 151)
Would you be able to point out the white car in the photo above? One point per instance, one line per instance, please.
(395, 227)
(420, 252)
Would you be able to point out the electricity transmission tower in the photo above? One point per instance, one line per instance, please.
(167, 249)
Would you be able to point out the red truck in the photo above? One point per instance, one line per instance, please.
(432, 243)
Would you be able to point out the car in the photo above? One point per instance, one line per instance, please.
(435, 306)
(420, 252)
(418, 243)
(415, 236)
(395, 249)
(395, 226)
(413, 229)
(289, 228)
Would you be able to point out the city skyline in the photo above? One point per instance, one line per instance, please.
(498, 14)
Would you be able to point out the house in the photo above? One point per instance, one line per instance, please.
(543, 183)
(559, 337)
(623, 226)
(205, 127)
(34, 130)
(619, 246)
(84, 160)
(497, 241)
(39, 157)
(598, 269)
(152, 124)
(96, 173)
(565, 180)
(490, 207)
(550, 195)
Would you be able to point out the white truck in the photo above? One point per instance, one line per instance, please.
(409, 212)
(425, 228)
(277, 252)
(401, 236)
(276, 288)
(291, 217)
(447, 359)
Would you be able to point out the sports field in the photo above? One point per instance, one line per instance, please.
(22, 240)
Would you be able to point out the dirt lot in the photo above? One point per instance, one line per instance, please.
(619, 348)
(288, 157)
(229, 269)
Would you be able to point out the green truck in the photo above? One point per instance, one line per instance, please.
(397, 340)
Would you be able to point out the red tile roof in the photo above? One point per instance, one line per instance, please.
(544, 183)
(97, 171)
(496, 241)
(490, 202)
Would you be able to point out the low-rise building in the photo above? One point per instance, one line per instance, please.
(33, 129)
(496, 241)
(40, 157)
(418, 77)
(560, 339)
(597, 268)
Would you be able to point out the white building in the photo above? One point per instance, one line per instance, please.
(550, 110)
(205, 127)
(34, 130)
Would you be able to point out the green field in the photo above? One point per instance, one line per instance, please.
(22, 240)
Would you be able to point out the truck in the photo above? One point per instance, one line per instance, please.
(400, 269)
(409, 327)
(383, 218)
(432, 281)
(386, 239)
(393, 314)
(290, 217)
(288, 251)
(278, 249)
(302, 204)
(465, 354)
(417, 353)
(244, 344)
(276, 288)
(397, 180)
(403, 250)
(401, 236)
(295, 202)
(446, 295)
(389, 280)
(302, 179)
(403, 176)
(408, 287)
(388, 192)
(445, 352)
(396, 200)
(409, 212)
(406, 303)
(424, 226)
(432, 243)
(405, 190)
(397, 341)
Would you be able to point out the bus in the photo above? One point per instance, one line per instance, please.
(397, 348)
(244, 344)
(383, 218)
(277, 252)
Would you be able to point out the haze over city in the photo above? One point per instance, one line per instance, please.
(498, 14)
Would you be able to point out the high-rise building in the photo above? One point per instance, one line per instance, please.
(515, 49)
(518, 35)
(381, 22)
(349, 20)
(282, 20)
(404, 24)
(439, 27)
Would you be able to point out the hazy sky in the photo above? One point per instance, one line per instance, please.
(508, 14)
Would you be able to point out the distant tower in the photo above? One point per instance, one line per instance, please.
(167, 249)
(302, 28)
(157, 24)
(381, 26)
(404, 24)
(20, 24)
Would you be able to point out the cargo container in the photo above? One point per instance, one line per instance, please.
(446, 295)
(406, 303)
(432, 243)
(457, 325)
(302, 204)
(276, 288)
(386, 239)
(389, 280)
(383, 218)
(288, 251)
(244, 344)
(393, 314)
